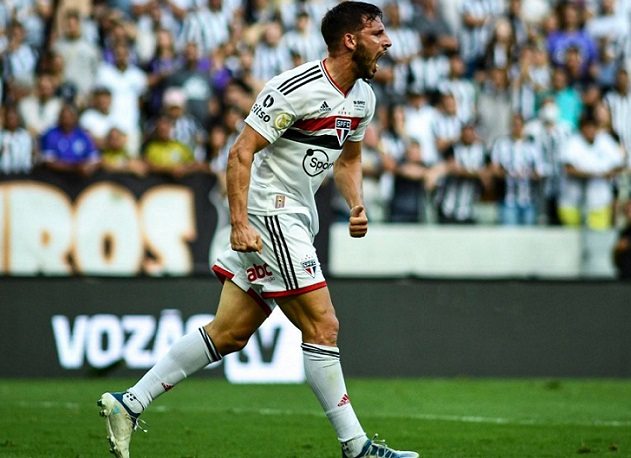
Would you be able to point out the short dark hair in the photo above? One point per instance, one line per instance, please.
(348, 16)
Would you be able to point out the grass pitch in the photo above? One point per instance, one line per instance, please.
(439, 418)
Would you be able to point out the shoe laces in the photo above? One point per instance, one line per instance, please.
(140, 424)
(378, 447)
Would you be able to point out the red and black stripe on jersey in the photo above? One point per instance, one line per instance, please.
(306, 131)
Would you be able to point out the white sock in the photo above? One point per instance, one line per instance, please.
(324, 375)
(188, 354)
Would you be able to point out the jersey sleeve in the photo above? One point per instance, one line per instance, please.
(271, 114)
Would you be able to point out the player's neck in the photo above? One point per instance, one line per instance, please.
(341, 72)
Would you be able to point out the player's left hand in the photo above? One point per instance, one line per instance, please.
(358, 222)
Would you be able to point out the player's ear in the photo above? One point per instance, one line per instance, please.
(350, 41)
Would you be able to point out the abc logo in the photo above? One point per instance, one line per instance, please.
(257, 272)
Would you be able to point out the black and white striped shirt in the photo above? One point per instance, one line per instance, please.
(269, 61)
(21, 63)
(464, 93)
(473, 40)
(309, 46)
(208, 29)
(428, 73)
(620, 108)
(405, 46)
(446, 127)
(461, 193)
(521, 160)
(16, 151)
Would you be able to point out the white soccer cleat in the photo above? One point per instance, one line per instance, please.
(120, 423)
(374, 448)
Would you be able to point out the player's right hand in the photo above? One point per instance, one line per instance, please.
(245, 239)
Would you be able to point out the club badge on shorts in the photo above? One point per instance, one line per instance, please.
(310, 266)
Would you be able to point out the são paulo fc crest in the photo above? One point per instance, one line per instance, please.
(310, 266)
(342, 129)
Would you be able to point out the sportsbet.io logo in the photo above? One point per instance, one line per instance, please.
(315, 162)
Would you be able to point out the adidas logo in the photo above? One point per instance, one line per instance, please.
(345, 400)
(325, 108)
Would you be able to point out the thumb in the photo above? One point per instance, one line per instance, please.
(356, 210)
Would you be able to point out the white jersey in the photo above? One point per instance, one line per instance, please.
(307, 119)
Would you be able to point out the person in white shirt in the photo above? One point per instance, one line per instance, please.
(40, 110)
(98, 120)
(592, 159)
(127, 83)
(306, 121)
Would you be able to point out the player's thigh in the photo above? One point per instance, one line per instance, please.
(313, 313)
(238, 317)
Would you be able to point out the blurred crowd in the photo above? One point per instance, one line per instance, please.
(523, 104)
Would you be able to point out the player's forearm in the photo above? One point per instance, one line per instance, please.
(348, 179)
(238, 184)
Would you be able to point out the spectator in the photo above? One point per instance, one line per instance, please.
(163, 154)
(115, 156)
(271, 57)
(172, 12)
(99, 119)
(550, 133)
(40, 111)
(612, 28)
(163, 64)
(405, 47)
(408, 199)
(463, 89)
(420, 118)
(127, 83)
(622, 249)
(16, 145)
(566, 98)
(429, 67)
(495, 106)
(33, 15)
(592, 159)
(466, 171)
(186, 129)
(428, 20)
(618, 101)
(81, 58)
(571, 35)
(476, 16)
(447, 126)
(305, 41)
(208, 27)
(193, 77)
(518, 163)
(501, 49)
(20, 59)
(68, 148)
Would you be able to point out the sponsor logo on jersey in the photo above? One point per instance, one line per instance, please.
(315, 162)
(260, 273)
(279, 201)
(258, 111)
(283, 121)
(342, 129)
(269, 101)
(310, 266)
(359, 105)
(325, 108)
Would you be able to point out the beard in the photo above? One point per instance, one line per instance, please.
(364, 62)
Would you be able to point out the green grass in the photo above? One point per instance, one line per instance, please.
(439, 418)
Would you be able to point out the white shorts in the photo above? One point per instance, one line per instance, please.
(287, 266)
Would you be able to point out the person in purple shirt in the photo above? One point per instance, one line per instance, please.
(67, 147)
(571, 35)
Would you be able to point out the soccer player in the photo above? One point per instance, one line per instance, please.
(304, 122)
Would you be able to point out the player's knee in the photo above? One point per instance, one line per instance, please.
(326, 330)
(228, 341)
